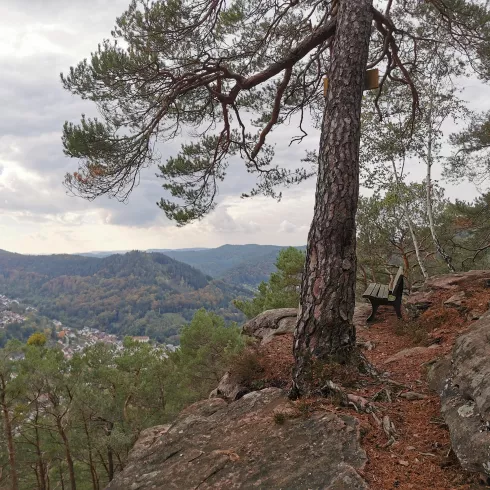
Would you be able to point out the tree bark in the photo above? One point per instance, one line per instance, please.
(40, 459)
(440, 249)
(324, 331)
(110, 454)
(69, 459)
(9, 435)
(406, 212)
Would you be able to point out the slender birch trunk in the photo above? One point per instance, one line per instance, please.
(428, 184)
(406, 212)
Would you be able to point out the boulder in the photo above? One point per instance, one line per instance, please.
(417, 303)
(244, 444)
(456, 281)
(270, 323)
(229, 389)
(473, 315)
(410, 352)
(464, 388)
(361, 313)
(456, 301)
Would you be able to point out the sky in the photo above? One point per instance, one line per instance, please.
(41, 38)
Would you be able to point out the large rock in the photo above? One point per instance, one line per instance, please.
(464, 387)
(229, 389)
(456, 301)
(456, 281)
(270, 323)
(417, 303)
(410, 352)
(259, 441)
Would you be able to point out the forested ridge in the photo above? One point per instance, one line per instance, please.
(137, 293)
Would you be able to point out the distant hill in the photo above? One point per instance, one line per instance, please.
(122, 252)
(216, 261)
(136, 293)
(245, 265)
(241, 265)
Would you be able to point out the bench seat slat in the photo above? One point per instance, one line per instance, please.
(383, 292)
(369, 290)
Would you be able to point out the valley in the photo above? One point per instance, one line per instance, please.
(135, 293)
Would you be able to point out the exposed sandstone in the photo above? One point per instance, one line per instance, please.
(463, 383)
(270, 323)
(217, 445)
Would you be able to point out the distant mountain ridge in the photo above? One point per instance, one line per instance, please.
(137, 293)
(245, 265)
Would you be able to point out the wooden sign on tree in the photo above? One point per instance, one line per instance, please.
(371, 81)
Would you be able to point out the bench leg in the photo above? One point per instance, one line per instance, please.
(398, 309)
(374, 309)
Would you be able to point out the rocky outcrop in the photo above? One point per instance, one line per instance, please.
(229, 388)
(457, 281)
(417, 303)
(463, 382)
(421, 300)
(270, 323)
(411, 352)
(283, 320)
(259, 441)
(456, 301)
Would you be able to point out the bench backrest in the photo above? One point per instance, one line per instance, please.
(397, 288)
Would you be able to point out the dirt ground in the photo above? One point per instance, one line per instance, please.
(419, 455)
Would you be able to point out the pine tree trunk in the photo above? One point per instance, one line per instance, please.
(9, 436)
(324, 331)
(69, 459)
(40, 460)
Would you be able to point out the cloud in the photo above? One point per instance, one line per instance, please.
(288, 227)
(221, 221)
(38, 40)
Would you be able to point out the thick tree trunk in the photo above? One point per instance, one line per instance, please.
(324, 332)
(14, 481)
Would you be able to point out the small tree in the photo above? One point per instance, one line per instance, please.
(468, 228)
(471, 158)
(206, 349)
(283, 288)
(37, 338)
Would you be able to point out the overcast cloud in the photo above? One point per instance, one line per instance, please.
(38, 40)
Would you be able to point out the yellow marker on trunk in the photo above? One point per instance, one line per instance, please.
(371, 81)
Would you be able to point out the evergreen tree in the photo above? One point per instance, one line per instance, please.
(283, 288)
(207, 347)
(471, 158)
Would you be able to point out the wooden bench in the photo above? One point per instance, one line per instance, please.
(380, 294)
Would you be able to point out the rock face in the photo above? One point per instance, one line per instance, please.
(229, 389)
(259, 441)
(456, 301)
(417, 303)
(463, 382)
(410, 352)
(455, 281)
(270, 323)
